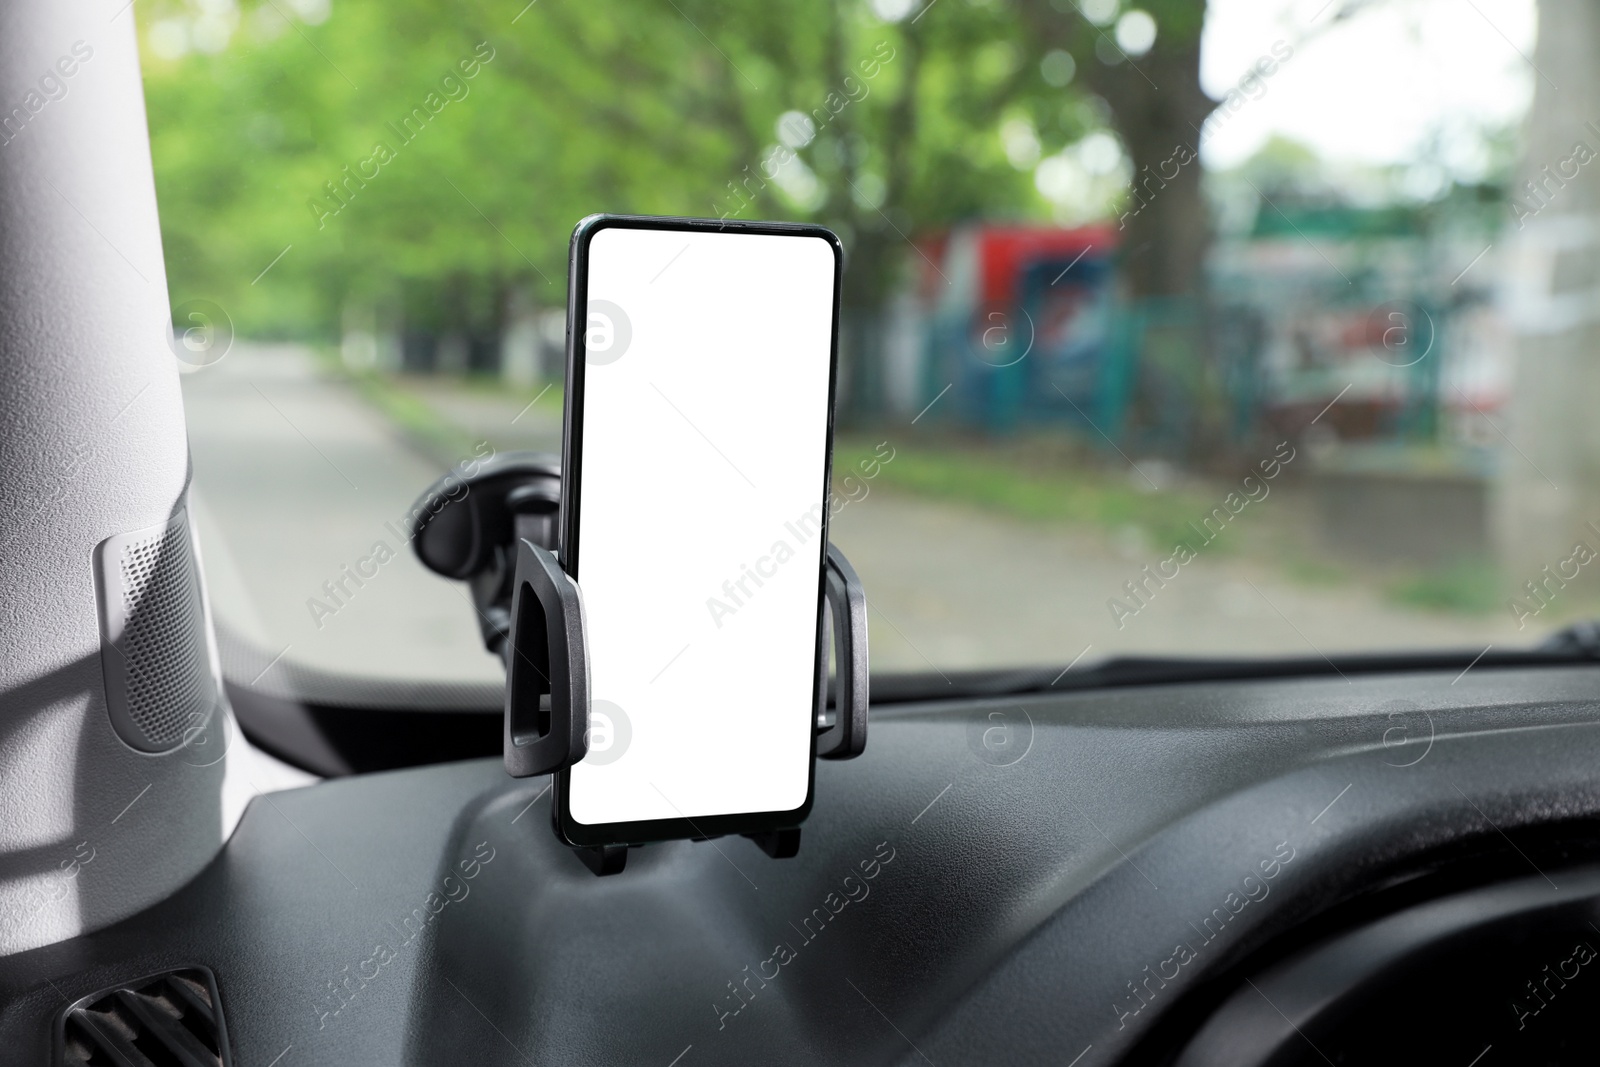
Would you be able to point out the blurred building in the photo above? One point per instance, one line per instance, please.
(1370, 336)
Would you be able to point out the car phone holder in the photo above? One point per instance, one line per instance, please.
(495, 528)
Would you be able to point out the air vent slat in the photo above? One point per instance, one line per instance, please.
(163, 1025)
(191, 995)
(112, 1041)
(166, 1020)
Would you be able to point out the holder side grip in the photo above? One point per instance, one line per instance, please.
(847, 607)
(545, 654)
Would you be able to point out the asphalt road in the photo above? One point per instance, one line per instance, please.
(296, 478)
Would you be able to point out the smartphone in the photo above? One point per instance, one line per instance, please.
(698, 439)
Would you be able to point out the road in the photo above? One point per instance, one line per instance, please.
(298, 477)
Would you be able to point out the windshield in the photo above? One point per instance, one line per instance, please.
(1168, 328)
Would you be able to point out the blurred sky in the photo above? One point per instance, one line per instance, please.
(1378, 87)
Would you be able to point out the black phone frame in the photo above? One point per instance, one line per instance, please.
(601, 835)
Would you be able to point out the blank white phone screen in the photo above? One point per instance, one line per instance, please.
(704, 442)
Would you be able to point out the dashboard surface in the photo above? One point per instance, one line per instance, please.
(1065, 879)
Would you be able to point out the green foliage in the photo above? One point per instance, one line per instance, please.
(569, 109)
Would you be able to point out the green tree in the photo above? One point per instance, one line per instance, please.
(268, 147)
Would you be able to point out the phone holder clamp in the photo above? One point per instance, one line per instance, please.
(494, 528)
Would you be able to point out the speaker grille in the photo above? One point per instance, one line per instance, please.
(167, 688)
(158, 679)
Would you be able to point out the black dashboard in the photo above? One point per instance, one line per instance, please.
(1271, 871)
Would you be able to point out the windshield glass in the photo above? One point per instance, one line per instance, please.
(1168, 328)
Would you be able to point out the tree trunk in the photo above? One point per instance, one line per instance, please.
(1158, 107)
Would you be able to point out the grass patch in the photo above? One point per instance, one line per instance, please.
(1316, 572)
(1469, 586)
(404, 403)
(549, 394)
(432, 433)
(424, 428)
(552, 398)
(1010, 484)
